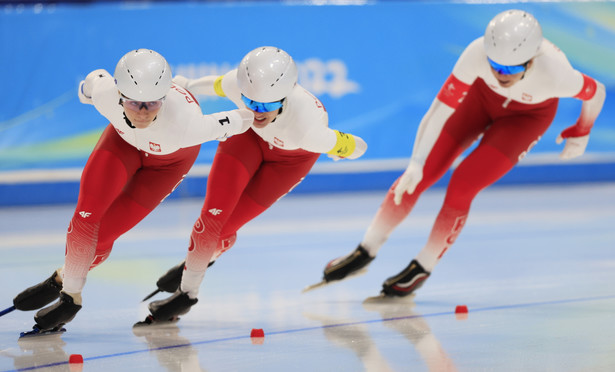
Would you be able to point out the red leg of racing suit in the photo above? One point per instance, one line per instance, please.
(119, 186)
(247, 177)
(507, 134)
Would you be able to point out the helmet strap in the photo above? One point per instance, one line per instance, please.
(525, 71)
(280, 109)
(128, 122)
(119, 102)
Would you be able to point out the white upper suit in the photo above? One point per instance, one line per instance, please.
(302, 124)
(549, 76)
(180, 123)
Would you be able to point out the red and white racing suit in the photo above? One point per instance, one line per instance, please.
(131, 170)
(471, 106)
(253, 170)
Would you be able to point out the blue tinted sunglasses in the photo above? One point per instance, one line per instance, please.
(507, 70)
(261, 106)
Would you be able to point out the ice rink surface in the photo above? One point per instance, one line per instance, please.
(534, 265)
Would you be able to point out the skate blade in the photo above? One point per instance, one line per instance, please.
(35, 332)
(324, 283)
(386, 299)
(151, 322)
(315, 286)
(151, 295)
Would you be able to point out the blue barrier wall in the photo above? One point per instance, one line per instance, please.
(376, 67)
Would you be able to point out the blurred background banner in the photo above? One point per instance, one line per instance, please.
(376, 66)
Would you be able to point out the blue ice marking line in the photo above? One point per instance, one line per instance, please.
(306, 329)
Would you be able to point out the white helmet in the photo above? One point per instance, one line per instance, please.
(512, 38)
(143, 75)
(266, 74)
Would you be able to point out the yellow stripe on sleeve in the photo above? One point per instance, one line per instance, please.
(218, 86)
(344, 146)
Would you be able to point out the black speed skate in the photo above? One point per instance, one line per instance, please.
(38, 295)
(406, 282)
(168, 310)
(51, 319)
(170, 281)
(343, 267)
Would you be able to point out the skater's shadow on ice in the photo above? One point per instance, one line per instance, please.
(38, 352)
(399, 317)
(174, 352)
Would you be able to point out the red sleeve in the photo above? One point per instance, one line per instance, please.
(453, 91)
(588, 90)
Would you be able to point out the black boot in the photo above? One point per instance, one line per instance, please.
(407, 281)
(57, 314)
(169, 282)
(344, 266)
(38, 295)
(178, 304)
